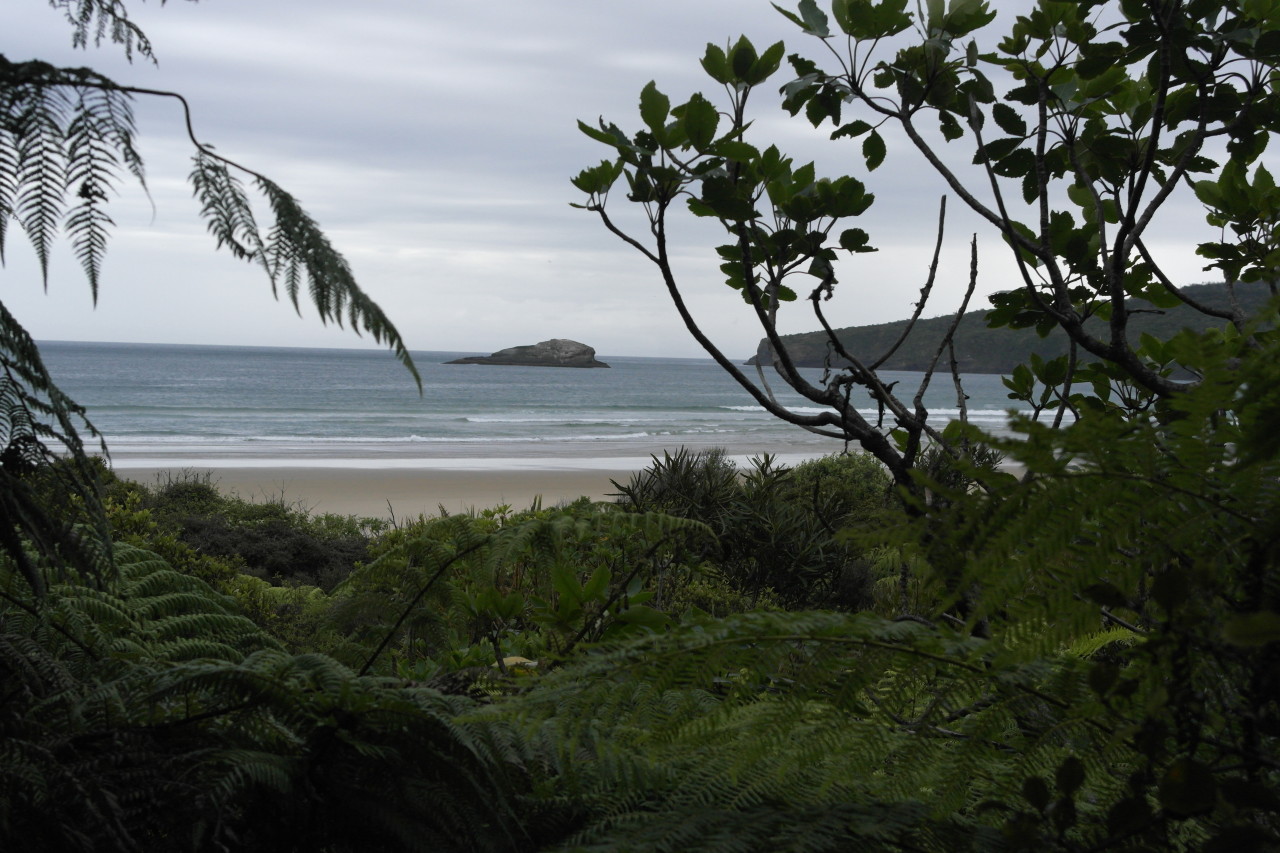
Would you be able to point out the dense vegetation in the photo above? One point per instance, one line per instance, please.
(187, 683)
(1078, 658)
(908, 649)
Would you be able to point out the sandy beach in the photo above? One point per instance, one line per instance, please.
(406, 492)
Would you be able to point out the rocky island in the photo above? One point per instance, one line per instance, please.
(557, 352)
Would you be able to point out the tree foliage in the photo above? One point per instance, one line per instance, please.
(1111, 109)
(1080, 657)
(1106, 110)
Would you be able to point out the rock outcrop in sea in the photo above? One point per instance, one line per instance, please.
(557, 352)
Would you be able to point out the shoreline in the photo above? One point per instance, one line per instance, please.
(390, 482)
(394, 489)
(395, 493)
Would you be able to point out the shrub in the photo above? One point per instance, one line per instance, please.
(273, 540)
(778, 527)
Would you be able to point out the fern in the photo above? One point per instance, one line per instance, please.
(66, 137)
(70, 131)
(94, 20)
(449, 593)
(36, 419)
(149, 714)
(812, 716)
(225, 206)
(1091, 678)
(99, 140)
(42, 171)
(1144, 546)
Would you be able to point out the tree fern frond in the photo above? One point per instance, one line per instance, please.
(39, 129)
(227, 211)
(781, 713)
(94, 20)
(65, 131)
(296, 248)
(36, 419)
(9, 165)
(101, 125)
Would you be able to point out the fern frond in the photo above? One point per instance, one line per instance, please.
(790, 714)
(94, 20)
(9, 165)
(296, 250)
(37, 420)
(65, 131)
(38, 125)
(102, 124)
(227, 211)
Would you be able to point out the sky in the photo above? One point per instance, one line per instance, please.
(434, 142)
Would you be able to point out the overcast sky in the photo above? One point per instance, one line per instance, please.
(434, 141)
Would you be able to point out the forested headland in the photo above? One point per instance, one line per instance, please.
(981, 347)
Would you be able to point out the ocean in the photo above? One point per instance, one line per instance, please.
(162, 405)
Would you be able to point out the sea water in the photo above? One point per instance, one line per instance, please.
(204, 406)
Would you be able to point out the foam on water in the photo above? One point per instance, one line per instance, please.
(163, 405)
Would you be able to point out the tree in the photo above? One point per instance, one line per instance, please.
(782, 222)
(1108, 109)
(66, 135)
(1093, 664)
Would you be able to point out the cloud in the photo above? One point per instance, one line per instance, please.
(435, 142)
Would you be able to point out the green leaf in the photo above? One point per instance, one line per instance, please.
(764, 67)
(853, 17)
(716, 64)
(855, 240)
(1018, 163)
(597, 180)
(873, 149)
(996, 149)
(1070, 775)
(597, 585)
(951, 129)
(725, 199)
(891, 18)
(610, 136)
(1255, 795)
(1105, 594)
(1083, 197)
(1036, 792)
(1170, 588)
(1128, 815)
(1263, 184)
(654, 108)
(700, 120)
(811, 19)
(1009, 120)
(731, 149)
(565, 581)
(852, 129)
(742, 56)
(644, 617)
